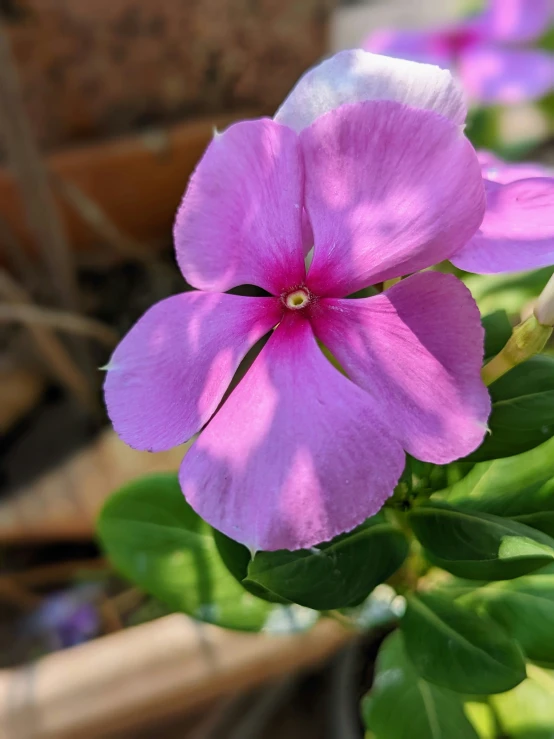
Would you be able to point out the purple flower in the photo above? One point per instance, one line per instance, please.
(487, 51)
(517, 232)
(383, 186)
(66, 618)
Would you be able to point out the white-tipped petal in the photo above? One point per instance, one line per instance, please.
(355, 75)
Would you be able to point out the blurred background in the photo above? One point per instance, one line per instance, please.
(105, 108)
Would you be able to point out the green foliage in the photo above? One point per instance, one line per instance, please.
(527, 712)
(498, 330)
(509, 292)
(336, 574)
(403, 705)
(524, 607)
(520, 487)
(477, 545)
(157, 541)
(482, 128)
(522, 410)
(456, 648)
(236, 558)
(481, 717)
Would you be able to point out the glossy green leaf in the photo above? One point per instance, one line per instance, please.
(524, 607)
(157, 541)
(459, 649)
(479, 546)
(402, 705)
(337, 574)
(236, 558)
(522, 414)
(521, 488)
(527, 712)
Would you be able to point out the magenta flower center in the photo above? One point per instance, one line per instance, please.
(297, 299)
(457, 41)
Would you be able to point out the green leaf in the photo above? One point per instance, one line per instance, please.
(521, 488)
(479, 546)
(524, 607)
(482, 128)
(481, 717)
(402, 705)
(522, 410)
(337, 574)
(527, 712)
(498, 330)
(236, 558)
(422, 478)
(157, 541)
(456, 648)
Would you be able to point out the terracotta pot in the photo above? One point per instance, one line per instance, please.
(137, 181)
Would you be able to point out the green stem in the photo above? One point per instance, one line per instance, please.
(527, 339)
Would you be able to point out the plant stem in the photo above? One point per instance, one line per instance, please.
(527, 339)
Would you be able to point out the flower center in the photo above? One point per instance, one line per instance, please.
(297, 299)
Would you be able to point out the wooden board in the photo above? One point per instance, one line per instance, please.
(125, 680)
(64, 503)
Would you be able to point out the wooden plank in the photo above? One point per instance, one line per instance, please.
(124, 680)
(64, 503)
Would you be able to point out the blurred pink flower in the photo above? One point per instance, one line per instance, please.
(517, 232)
(487, 51)
(383, 186)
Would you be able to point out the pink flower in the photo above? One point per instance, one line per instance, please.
(485, 50)
(517, 232)
(384, 185)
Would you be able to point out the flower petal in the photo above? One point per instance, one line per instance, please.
(516, 20)
(296, 455)
(494, 75)
(240, 221)
(497, 170)
(355, 75)
(169, 373)
(429, 46)
(417, 349)
(389, 190)
(517, 232)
